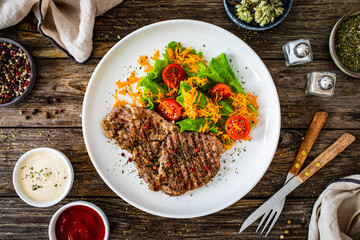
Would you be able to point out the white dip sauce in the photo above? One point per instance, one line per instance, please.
(43, 176)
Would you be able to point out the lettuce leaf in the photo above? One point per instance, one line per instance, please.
(202, 99)
(195, 125)
(154, 88)
(226, 109)
(221, 72)
(155, 74)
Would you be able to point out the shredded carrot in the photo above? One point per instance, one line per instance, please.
(171, 54)
(227, 141)
(131, 80)
(198, 81)
(190, 107)
(126, 88)
(160, 96)
(211, 110)
(144, 63)
(185, 58)
(172, 93)
(156, 55)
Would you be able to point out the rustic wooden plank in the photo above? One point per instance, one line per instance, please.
(310, 20)
(88, 183)
(127, 222)
(61, 85)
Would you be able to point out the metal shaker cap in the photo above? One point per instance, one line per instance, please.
(326, 82)
(302, 50)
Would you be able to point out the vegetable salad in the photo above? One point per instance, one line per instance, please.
(200, 97)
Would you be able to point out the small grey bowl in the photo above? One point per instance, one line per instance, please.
(230, 8)
(332, 49)
(32, 75)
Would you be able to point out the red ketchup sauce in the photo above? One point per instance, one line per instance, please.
(79, 223)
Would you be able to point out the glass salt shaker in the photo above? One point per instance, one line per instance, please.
(297, 52)
(321, 84)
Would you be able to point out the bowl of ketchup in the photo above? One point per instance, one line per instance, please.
(79, 220)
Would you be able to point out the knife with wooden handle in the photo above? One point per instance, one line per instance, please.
(330, 153)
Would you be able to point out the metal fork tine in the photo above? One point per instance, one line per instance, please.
(272, 223)
(268, 221)
(263, 219)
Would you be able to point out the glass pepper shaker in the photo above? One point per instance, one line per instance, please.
(297, 52)
(321, 83)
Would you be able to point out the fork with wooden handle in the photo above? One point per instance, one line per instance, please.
(305, 147)
(330, 153)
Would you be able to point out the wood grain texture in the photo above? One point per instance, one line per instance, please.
(51, 116)
(309, 139)
(127, 222)
(310, 20)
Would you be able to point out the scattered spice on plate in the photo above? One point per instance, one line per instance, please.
(347, 43)
(15, 72)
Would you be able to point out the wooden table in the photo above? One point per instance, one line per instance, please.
(61, 84)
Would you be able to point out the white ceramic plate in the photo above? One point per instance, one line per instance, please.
(241, 167)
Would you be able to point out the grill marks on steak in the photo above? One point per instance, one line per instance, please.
(167, 160)
(188, 168)
(128, 127)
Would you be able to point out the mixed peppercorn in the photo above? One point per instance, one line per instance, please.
(15, 72)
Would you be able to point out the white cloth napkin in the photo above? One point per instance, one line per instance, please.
(67, 23)
(336, 214)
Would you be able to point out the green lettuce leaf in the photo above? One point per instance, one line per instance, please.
(221, 72)
(226, 109)
(155, 74)
(194, 125)
(153, 87)
(202, 99)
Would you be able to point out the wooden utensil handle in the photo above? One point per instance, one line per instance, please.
(310, 137)
(330, 153)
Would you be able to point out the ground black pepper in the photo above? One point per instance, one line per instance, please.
(35, 111)
(15, 72)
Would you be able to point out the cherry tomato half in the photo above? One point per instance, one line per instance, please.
(169, 109)
(172, 75)
(220, 91)
(237, 127)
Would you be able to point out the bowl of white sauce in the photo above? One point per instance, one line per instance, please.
(42, 177)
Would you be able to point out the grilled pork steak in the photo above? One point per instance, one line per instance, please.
(167, 160)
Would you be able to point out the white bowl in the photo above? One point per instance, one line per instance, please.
(52, 225)
(24, 196)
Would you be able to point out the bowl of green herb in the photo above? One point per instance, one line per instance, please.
(257, 15)
(344, 43)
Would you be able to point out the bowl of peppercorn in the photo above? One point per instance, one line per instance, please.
(344, 43)
(257, 15)
(17, 72)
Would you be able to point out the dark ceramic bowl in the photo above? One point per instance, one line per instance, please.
(230, 9)
(32, 75)
(333, 53)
